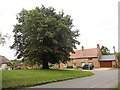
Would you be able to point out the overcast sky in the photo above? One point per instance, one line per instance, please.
(97, 20)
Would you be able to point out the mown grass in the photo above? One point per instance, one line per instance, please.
(113, 68)
(117, 87)
(26, 78)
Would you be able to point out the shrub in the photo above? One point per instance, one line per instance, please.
(69, 66)
(50, 65)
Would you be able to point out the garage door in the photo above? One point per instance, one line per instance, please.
(106, 64)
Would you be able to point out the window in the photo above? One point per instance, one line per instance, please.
(74, 64)
(74, 60)
(89, 58)
(90, 63)
(65, 65)
(82, 63)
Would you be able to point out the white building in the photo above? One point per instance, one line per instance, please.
(3, 63)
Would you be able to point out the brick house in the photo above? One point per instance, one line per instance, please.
(20, 66)
(86, 56)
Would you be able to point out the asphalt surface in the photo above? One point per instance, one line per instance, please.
(101, 79)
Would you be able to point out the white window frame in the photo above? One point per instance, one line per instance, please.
(82, 64)
(73, 64)
(90, 63)
(65, 65)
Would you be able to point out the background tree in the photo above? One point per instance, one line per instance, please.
(118, 55)
(28, 62)
(3, 37)
(105, 50)
(13, 63)
(44, 36)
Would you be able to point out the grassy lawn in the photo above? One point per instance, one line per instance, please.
(26, 78)
(117, 87)
(113, 68)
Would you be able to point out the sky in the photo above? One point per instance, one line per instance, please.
(96, 20)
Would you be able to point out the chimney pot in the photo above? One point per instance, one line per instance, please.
(98, 46)
(82, 47)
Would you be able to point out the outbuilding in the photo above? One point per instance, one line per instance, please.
(108, 60)
(3, 63)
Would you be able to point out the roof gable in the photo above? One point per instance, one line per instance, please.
(86, 53)
(3, 59)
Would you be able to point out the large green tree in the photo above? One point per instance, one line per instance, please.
(105, 50)
(44, 36)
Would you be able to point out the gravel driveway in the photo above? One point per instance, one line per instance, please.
(101, 79)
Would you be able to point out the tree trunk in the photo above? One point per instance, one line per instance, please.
(45, 65)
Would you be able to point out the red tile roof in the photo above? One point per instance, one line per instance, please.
(86, 53)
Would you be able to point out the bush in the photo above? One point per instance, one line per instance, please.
(50, 65)
(113, 65)
(69, 66)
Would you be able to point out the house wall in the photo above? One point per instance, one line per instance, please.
(55, 66)
(79, 62)
(36, 66)
(23, 67)
(4, 67)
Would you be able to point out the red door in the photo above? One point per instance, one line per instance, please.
(58, 65)
(106, 64)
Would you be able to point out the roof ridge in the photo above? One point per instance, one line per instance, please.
(85, 49)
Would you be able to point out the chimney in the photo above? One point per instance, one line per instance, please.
(98, 46)
(82, 47)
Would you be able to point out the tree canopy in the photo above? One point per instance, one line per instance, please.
(44, 36)
(105, 50)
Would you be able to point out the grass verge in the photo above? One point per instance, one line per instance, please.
(113, 68)
(117, 87)
(27, 78)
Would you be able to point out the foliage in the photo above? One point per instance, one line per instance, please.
(117, 87)
(113, 65)
(17, 62)
(118, 55)
(105, 50)
(69, 66)
(11, 65)
(3, 38)
(26, 78)
(50, 65)
(27, 62)
(44, 36)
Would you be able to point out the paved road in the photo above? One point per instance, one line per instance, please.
(101, 79)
